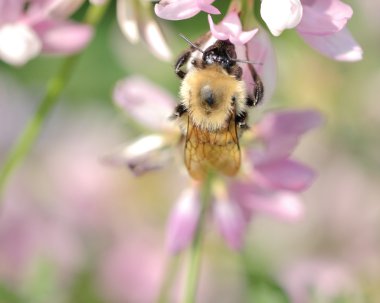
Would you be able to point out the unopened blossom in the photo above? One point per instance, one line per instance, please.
(281, 14)
(40, 26)
(136, 23)
(269, 182)
(322, 26)
(183, 9)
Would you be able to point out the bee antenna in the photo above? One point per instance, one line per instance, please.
(247, 61)
(191, 43)
(244, 61)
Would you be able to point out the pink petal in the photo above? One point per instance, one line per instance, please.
(230, 28)
(284, 174)
(283, 205)
(127, 17)
(340, 46)
(231, 222)
(176, 9)
(144, 101)
(63, 37)
(148, 153)
(60, 8)
(183, 220)
(281, 131)
(205, 5)
(324, 17)
(10, 10)
(217, 31)
(155, 40)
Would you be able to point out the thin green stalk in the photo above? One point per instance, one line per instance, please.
(54, 89)
(170, 274)
(191, 283)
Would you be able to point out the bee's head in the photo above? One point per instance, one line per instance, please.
(221, 53)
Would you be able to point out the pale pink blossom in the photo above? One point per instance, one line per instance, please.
(183, 9)
(270, 181)
(26, 31)
(152, 107)
(322, 26)
(319, 280)
(183, 220)
(230, 28)
(136, 23)
(281, 14)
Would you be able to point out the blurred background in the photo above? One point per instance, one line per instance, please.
(75, 230)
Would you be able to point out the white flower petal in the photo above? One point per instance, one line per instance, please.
(18, 43)
(281, 14)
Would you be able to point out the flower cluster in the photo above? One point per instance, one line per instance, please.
(322, 24)
(28, 28)
(269, 179)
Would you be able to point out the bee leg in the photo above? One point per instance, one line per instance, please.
(258, 94)
(241, 121)
(236, 71)
(179, 110)
(182, 60)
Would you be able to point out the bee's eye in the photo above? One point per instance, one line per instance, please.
(233, 99)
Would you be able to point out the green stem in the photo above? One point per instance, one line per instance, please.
(170, 274)
(54, 89)
(191, 282)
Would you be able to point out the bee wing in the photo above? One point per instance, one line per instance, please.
(206, 150)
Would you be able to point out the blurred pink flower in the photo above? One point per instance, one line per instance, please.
(183, 9)
(270, 181)
(40, 26)
(152, 107)
(319, 280)
(322, 26)
(135, 20)
(281, 14)
(132, 268)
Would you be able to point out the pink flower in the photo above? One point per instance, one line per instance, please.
(230, 28)
(320, 280)
(136, 23)
(281, 14)
(270, 180)
(26, 31)
(183, 9)
(152, 107)
(322, 26)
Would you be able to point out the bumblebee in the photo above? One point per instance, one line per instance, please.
(214, 104)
